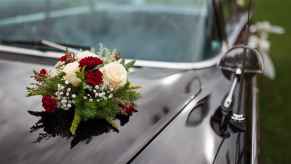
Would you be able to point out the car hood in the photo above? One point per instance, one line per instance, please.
(164, 94)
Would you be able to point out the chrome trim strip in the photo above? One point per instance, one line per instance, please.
(143, 63)
(182, 66)
(232, 38)
(29, 52)
(58, 46)
(254, 151)
(139, 63)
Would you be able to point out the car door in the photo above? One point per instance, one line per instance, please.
(235, 18)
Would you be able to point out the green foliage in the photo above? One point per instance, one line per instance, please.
(79, 101)
(127, 93)
(122, 61)
(88, 110)
(129, 65)
(47, 87)
(106, 109)
(81, 74)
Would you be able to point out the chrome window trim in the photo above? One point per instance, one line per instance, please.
(143, 63)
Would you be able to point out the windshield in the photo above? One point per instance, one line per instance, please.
(159, 30)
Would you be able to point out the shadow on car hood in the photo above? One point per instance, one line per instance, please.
(164, 94)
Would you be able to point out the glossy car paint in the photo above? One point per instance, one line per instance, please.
(172, 125)
(153, 135)
(164, 93)
(190, 138)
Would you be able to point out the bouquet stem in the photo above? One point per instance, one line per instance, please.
(75, 123)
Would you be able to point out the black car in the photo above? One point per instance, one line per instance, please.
(199, 86)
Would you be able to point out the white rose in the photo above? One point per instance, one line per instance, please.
(70, 73)
(57, 69)
(59, 64)
(53, 73)
(114, 75)
(84, 54)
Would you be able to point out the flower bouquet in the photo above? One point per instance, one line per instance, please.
(93, 84)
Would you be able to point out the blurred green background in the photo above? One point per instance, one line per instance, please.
(275, 102)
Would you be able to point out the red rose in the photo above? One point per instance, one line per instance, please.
(63, 58)
(128, 108)
(67, 58)
(94, 77)
(90, 62)
(49, 103)
(43, 72)
(41, 75)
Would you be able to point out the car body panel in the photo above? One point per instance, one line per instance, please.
(167, 123)
(164, 93)
(172, 125)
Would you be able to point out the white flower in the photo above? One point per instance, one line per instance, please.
(59, 64)
(70, 73)
(53, 72)
(253, 41)
(264, 26)
(264, 45)
(114, 75)
(84, 54)
(260, 43)
(56, 69)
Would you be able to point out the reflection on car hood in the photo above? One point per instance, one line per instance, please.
(164, 94)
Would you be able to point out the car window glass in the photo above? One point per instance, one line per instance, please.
(213, 41)
(159, 30)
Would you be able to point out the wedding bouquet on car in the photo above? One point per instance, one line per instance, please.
(93, 84)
